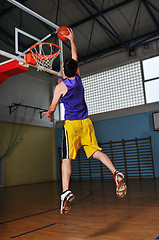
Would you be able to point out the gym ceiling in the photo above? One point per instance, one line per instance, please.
(101, 27)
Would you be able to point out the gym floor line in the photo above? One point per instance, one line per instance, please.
(50, 210)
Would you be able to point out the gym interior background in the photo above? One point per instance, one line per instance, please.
(113, 40)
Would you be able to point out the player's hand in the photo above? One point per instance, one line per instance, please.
(48, 114)
(71, 35)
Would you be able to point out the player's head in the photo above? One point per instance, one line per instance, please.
(70, 67)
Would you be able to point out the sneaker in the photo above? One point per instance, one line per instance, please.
(121, 188)
(66, 198)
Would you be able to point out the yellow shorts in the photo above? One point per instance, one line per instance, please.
(79, 133)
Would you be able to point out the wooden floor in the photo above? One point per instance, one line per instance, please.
(32, 212)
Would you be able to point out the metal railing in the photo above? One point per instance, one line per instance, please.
(132, 157)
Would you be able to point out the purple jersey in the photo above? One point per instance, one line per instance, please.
(73, 100)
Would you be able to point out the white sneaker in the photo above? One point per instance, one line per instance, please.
(121, 188)
(66, 198)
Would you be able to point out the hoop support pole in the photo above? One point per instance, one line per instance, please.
(33, 13)
(9, 55)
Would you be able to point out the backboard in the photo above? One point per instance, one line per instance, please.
(21, 28)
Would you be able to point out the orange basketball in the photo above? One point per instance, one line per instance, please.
(63, 30)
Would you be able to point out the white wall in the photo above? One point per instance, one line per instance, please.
(118, 59)
(33, 88)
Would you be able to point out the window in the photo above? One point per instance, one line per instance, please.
(114, 89)
(151, 79)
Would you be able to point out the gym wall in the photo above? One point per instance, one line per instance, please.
(26, 141)
(117, 127)
(33, 89)
(30, 154)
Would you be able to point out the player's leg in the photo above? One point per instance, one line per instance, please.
(69, 149)
(66, 174)
(90, 144)
(121, 188)
(67, 196)
(105, 160)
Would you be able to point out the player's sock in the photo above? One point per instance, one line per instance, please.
(121, 188)
(66, 198)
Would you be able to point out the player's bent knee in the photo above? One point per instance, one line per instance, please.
(96, 154)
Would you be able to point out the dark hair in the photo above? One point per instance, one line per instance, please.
(70, 67)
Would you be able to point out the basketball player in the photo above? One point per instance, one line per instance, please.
(78, 128)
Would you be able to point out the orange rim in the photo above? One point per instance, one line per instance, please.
(40, 56)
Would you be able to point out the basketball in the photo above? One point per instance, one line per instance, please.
(63, 30)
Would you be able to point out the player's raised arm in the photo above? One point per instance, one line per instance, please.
(73, 47)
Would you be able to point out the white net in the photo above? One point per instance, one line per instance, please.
(44, 54)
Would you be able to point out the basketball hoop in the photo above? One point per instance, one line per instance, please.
(44, 54)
